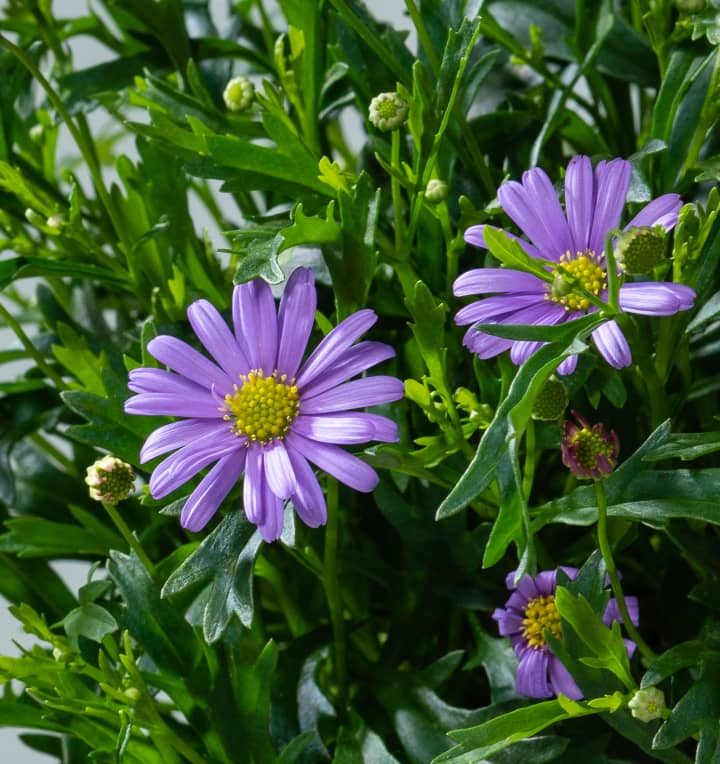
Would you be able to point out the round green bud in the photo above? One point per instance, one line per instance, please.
(647, 704)
(551, 402)
(640, 249)
(436, 191)
(110, 480)
(388, 111)
(56, 221)
(238, 94)
(133, 695)
(36, 133)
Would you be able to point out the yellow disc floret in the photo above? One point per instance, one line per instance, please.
(262, 407)
(541, 615)
(582, 271)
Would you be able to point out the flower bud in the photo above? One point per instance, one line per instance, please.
(110, 480)
(588, 451)
(551, 401)
(436, 191)
(238, 94)
(56, 221)
(640, 249)
(388, 111)
(34, 218)
(647, 704)
(36, 133)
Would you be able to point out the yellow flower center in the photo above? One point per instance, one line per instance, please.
(262, 407)
(541, 615)
(582, 271)
(590, 445)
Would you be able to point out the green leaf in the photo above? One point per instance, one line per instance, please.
(700, 703)
(225, 559)
(511, 419)
(678, 657)
(75, 355)
(37, 537)
(90, 621)
(540, 333)
(607, 645)
(685, 446)
(509, 252)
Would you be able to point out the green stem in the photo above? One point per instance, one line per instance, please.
(132, 542)
(33, 352)
(331, 582)
(529, 471)
(606, 551)
(395, 190)
(423, 36)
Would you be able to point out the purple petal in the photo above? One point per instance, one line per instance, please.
(527, 588)
(204, 501)
(348, 469)
(485, 345)
(335, 344)
(612, 611)
(535, 208)
(308, 498)
(612, 180)
(580, 201)
(546, 582)
(613, 346)
(368, 391)
(278, 470)
(168, 404)
(217, 339)
(271, 527)
(179, 434)
(335, 428)
(661, 211)
(508, 622)
(295, 319)
(145, 380)
(487, 280)
(185, 463)
(185, 360)
(492, 309)
(253, 485)
(258, 324)
(567, 366)
(386, 430)
(476, 235)
(354, 360)
(656, 298)
(521, 351)
(562, 681)
(532, 674)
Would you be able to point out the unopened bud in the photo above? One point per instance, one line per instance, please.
(36, 133)
(110, 480)
(388, 111)
(648, 704)
(640, 249)
(588, 451)
(133, 695)
(436, 191)
(551, 401)
(238, 94)
(34, 218)
(56, 221)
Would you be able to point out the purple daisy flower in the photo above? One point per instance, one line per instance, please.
(574, 240)
(257, 410)
(529, 612)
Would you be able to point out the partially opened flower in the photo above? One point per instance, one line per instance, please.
(528, 614)
(588, 451)
(255, 408)
(573, 241)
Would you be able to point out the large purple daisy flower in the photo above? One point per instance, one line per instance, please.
(257, 410)
(574, 240)
(528, 614)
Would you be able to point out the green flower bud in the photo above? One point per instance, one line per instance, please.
(56, 221)
(641, 249)
(110, 480)
(648, 704)
(238, 94)
(133, 695)
(551, 402)
(436, 191)
(34, 218)
(36, 133)
(388, 111)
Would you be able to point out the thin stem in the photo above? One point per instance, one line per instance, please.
(33, 352)
(529, 471)
(331, 582)
(132, 542)
(606, 551)
(395, 190)
(423, 36)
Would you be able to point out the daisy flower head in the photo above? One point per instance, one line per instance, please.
(255, 408)
(528, 614)
(588, 451)
(572, 241)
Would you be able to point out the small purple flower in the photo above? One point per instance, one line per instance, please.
(529, 612)
(258, 410)
(588, 451)
(574, 241)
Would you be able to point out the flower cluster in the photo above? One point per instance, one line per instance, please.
(572, 244)
(256, 409)
(528, 614)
